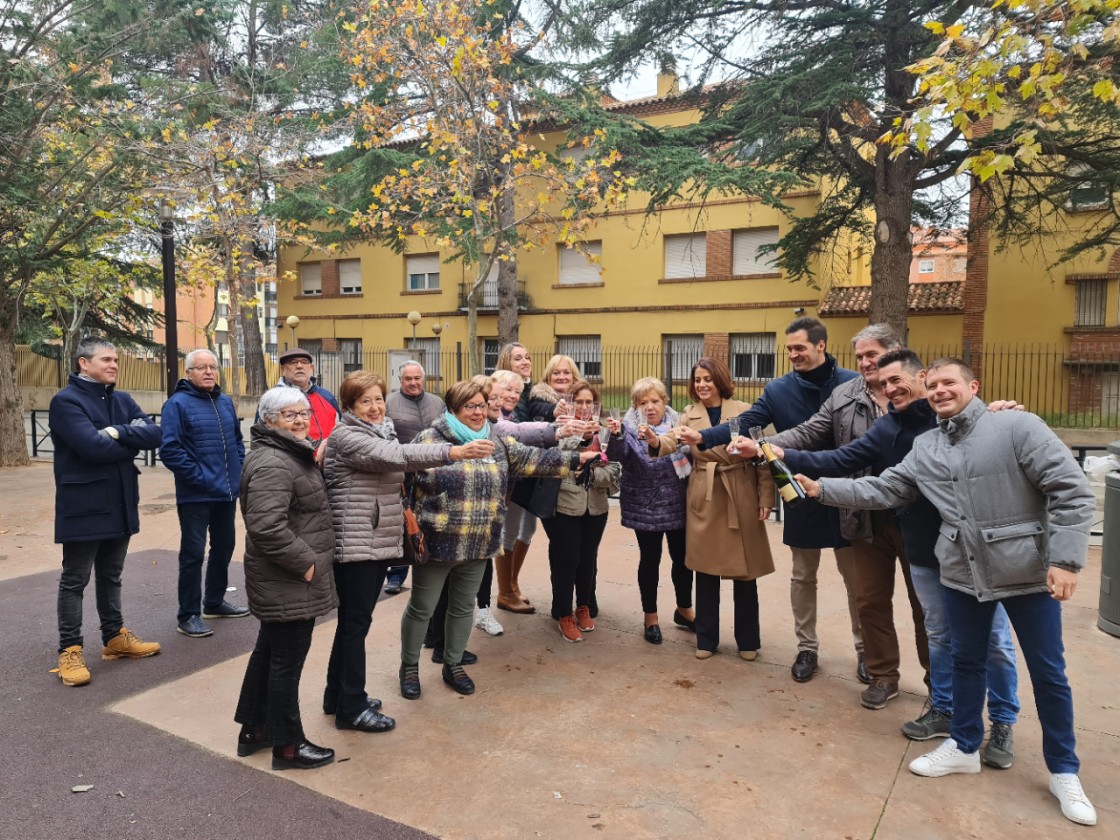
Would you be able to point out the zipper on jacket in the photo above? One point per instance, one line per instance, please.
(222, 432)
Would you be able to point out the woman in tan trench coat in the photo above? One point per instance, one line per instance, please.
(729, 500)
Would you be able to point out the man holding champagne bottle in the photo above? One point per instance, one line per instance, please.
(1016, 512)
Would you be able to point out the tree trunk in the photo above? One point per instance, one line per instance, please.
(890, 261)
(255, 380)
(233, 321)
(508, 327)
(472, 329)
(13, 440)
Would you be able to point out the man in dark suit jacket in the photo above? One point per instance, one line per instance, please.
(97, 433)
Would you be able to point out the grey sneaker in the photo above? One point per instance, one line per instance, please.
(876, 695)
(194, 627)
(934, 723)
(1000, 749)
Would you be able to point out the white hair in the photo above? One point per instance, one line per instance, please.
(194, 354)
(275, 399)
(410, 363)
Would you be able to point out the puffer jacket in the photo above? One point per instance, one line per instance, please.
(412, 416)
(202, 444)
(846, 415)
(1012, 500)
(364, 473)
(461, 506)
(653, 496)
(542, 402)
(287, 529)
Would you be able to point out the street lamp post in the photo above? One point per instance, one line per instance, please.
(170, 314)
(414, 319)
(293, 321)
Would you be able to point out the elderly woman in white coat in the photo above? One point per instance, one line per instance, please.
(364, 465)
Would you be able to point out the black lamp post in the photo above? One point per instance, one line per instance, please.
(170, 315)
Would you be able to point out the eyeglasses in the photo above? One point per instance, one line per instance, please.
(289, 416)
(474, 407)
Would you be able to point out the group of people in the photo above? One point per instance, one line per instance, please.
(325, 486)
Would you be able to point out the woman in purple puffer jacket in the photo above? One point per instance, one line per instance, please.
(653, 501)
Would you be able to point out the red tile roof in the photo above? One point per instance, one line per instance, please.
(947, 296)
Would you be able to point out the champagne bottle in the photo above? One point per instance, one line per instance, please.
(791, 492)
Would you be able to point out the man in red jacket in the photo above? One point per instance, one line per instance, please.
(297, 368)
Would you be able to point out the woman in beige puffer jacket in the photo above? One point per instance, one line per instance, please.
(364, 465)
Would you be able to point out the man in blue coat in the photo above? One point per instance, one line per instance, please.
(97, 433)
(787, 402)
(202, 445)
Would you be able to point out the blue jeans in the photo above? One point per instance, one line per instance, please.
(1003, 675)
(1037, 620)
(104, 558)
(195, 520)
(397, 575)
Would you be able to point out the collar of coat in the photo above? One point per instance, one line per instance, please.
(90, 385)
(962, 423)
(264, 435)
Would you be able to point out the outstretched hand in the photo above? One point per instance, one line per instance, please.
(812, 488)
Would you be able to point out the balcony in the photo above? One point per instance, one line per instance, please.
(488, 296)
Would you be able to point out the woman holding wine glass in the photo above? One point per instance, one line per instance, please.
(729, 500)
(652, 500)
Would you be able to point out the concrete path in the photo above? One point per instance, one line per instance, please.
(611, 737)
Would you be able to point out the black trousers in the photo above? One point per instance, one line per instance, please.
(745, 593)
(435, 632)
(573, 558)
(105, 559)
(359, 586)
(270, 690)
(649, 568)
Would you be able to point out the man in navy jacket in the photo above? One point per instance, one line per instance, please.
(202, 445)
(97, 433)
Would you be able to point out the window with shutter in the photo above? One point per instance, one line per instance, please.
(752, 355)
(686, 255)
(745, 256)
(576, 268)
(423, 272)
(350, 277)
(310, 279)
(1090, 306)
(586, 351)
(686, 349)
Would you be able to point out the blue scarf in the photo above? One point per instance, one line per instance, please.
(464, 433)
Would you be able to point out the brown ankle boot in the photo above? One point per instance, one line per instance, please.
(517, 558)
(506, 600)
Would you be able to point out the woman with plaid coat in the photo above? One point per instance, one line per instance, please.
(461, 507)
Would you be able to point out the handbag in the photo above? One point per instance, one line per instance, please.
(415, 548)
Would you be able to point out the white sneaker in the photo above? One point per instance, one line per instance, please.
(946, 759)
(484, 620)
(1075, 804)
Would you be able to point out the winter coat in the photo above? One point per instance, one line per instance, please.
(97, 494)
(653, 496)
(542, 402)
(724, 535)
(287, 529)
(885, 444)
(848, 413)
(522, 412)
(786, 402)
(531, 434)
(1011, 497)
(576, 498)
(539, 496)
(364, 473)
(202, 444)
(461, 506)
(412, 416)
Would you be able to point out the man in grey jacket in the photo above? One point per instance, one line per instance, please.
(1016, 511)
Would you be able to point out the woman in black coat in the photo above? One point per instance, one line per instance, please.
(289, 557)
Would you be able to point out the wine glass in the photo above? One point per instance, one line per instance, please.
(604, 437)
(733, 426)
(615, 413)
(596, 411)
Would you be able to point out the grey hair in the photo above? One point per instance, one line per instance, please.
(86, 348)
(280, 397)
(410, 362)
(507, 378)
(191, 356)
(882, 333)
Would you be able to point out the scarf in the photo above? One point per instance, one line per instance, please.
(384, 430)
(681, 465)
(464, 433)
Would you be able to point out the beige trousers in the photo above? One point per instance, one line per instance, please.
(803, 595)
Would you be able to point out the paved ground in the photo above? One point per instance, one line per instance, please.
(613, 737)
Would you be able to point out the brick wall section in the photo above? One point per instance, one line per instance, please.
(1090, 348)
(328, 272)
(719, 253)
(717, 345)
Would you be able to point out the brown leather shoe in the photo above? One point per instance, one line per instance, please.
(513, 604)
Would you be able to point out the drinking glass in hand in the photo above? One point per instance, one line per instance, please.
(733, 426)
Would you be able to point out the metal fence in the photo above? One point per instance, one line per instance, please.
(1067, 391)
